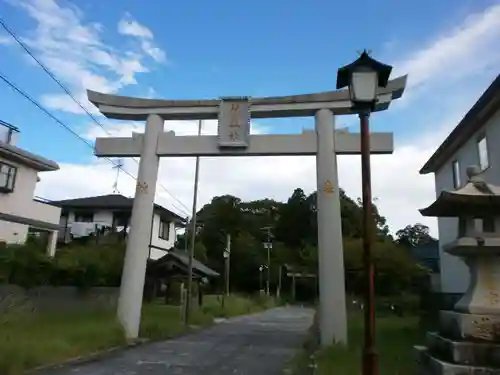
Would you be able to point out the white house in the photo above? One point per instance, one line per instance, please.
(474, 141)
(114, 211)
(19, 211)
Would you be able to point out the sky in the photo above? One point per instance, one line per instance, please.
(202, 50)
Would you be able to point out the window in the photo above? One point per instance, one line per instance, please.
(7, 177)
(84, 217)
(164, 230)
(456, 174)
(488, 225)
(482, 148)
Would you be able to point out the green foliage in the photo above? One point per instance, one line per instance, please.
(294, 236)
(25, 265)
(82, 266)
(294, 231)
(414, 235)
(395, 270)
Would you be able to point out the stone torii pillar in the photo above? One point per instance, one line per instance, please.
(331, 280)
(234, 139)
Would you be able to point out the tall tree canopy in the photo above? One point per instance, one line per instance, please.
(293, 226)
(414, 235)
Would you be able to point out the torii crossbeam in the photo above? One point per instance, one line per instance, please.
(234, 139)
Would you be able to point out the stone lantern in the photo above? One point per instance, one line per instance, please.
(468, 338)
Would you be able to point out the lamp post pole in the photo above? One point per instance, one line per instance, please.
(370, 356)
(268, 245)
(363, 77)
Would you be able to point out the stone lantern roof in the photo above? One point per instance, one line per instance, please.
(476, 199)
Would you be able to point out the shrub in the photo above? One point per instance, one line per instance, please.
(82, 266)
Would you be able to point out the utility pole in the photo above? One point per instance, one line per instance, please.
(228, 261)
(268, 245)
(193, 236)
(227, 255)
(117, 166)
(278, 291)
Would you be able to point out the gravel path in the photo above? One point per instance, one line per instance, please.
(257, 344)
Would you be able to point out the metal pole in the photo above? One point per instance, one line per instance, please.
(193, 236)
(260, 278)
(268, 269)
(186, 237)
(228, 260)
(278, 292)
(370, 356)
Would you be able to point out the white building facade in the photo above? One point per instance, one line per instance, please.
(114, 211)
(19, 210)
(474, 141)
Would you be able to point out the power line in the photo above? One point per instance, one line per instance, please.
(48, 113)
(69, 93)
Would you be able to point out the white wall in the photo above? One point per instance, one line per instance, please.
(106, 217)
(13, 232)
(159, 242)
(454, 272)
(20, 202)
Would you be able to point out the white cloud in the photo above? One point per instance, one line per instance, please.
(465, 51)
(155, 52)
(5, 40)
(129, 26)
(74, 49)
(468, 50)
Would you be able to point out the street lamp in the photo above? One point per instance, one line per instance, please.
(363, 77)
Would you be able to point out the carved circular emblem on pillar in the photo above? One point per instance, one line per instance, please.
(328, 187)
(142, 187)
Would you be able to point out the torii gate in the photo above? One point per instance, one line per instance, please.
(234, 139)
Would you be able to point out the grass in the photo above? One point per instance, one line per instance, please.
(235, 305)
(31, 339)
(395, 339)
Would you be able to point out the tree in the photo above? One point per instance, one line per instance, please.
(414, 235)
(294, 224)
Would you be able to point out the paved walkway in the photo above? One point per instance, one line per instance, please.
(249, 345)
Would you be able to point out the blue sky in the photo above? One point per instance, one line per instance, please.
(196, 49)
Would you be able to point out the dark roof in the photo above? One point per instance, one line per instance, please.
(27, 221)
(27, 158)
(487, 105)
(110, 201)
(182, 257)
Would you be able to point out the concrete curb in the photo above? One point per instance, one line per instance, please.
(88, 358)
